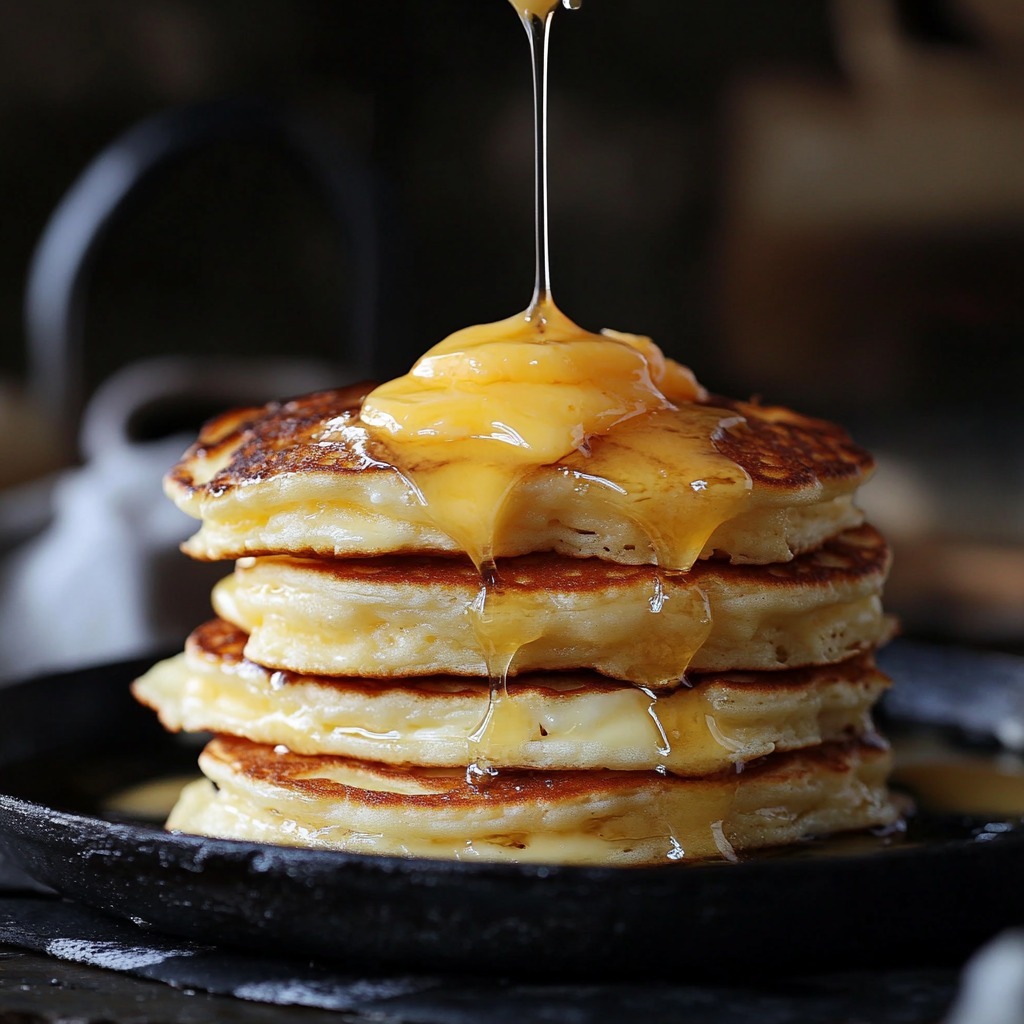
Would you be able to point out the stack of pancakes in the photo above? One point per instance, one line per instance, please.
(369, 690)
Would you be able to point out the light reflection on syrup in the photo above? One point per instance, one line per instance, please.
(948, 793)
(664, 745)
(500, 637)
(947, 780)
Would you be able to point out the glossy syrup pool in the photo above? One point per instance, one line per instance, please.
(952, 789)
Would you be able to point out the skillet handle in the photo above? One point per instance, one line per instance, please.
(62, 264)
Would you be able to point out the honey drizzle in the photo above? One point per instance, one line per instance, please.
(536, 16)
(482, 739)
(538, 31)
(489, 404)
(501, 714)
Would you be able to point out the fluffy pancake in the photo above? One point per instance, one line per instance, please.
(557, 721)
(388, 617)
(305, 477)
(267, 794)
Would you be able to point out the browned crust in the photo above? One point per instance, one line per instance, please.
(854, 555)
(303, 774)
(218, 641)
(784, 449)
(322, 433)
(282, 437)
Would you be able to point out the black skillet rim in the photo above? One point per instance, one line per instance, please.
(891, 906)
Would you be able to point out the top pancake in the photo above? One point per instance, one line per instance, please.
(305, 477)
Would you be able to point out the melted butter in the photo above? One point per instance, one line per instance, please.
(503, 725)
(491, 402)
(952, 782)
(537, 8)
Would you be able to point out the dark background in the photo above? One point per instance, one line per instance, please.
(820, 203)
(231, 252)
(228, 252)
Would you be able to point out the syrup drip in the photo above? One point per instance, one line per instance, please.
(499, 647)
(536, 18)
(664, 747)
(502, 714)
(490, 404)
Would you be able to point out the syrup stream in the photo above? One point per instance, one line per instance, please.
(538, 30)
(536, 20)
(500, 715)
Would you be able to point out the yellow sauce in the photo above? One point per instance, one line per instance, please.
(152, 800)
(621, 473)
(965, 786)
(493, 401)
(536, 8)
(945, 780)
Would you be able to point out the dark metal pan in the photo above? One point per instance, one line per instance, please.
(927, 897)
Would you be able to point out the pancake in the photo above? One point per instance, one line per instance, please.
(306, 478)
(574, 720)
(257, 792)
(399, 617)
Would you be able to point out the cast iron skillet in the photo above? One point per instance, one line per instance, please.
(928, 897)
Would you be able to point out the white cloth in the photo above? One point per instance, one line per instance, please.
(83, 591)
(105, 580)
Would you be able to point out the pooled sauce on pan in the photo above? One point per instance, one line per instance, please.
(492, 402)
(949, 780)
